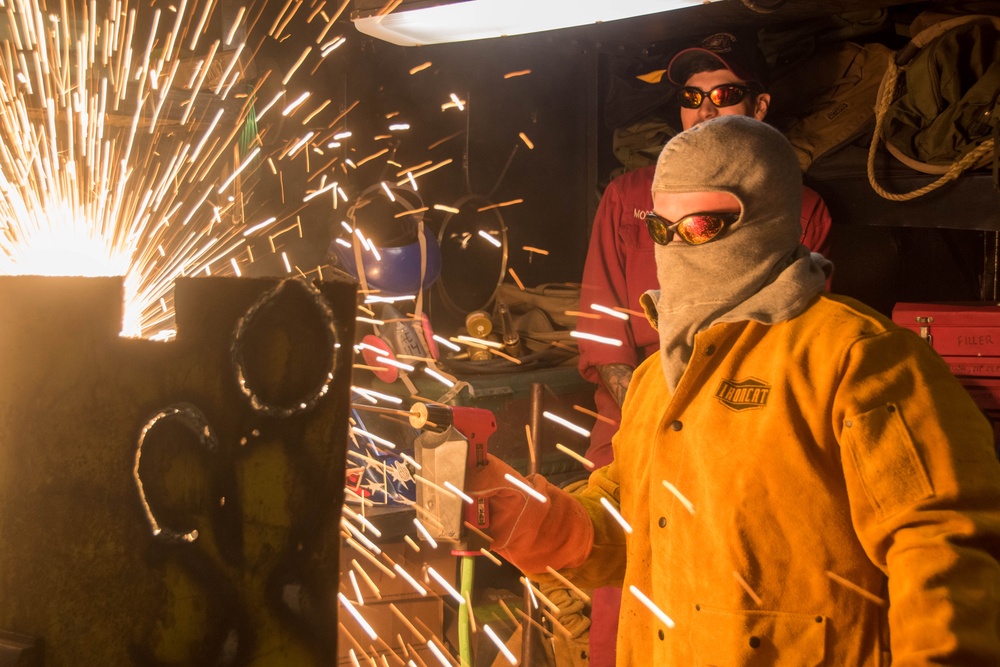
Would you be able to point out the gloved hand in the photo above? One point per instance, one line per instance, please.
(529, 533)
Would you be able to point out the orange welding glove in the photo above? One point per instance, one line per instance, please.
(528, 532)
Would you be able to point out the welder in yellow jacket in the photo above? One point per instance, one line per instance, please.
(799, 481)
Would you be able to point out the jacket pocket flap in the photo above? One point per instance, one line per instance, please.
(723, 638)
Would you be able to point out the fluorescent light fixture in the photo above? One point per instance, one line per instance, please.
(486, 19)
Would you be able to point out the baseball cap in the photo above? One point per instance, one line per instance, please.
(736, 53)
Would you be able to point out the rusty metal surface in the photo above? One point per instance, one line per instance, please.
(80, 566)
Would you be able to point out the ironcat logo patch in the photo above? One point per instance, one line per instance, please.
(741, 395)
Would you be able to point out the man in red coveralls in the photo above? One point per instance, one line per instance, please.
(719, 77)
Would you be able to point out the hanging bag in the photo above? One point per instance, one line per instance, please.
(942, 118)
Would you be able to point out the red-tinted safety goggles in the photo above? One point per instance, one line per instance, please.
(726, 95)
(694, 229)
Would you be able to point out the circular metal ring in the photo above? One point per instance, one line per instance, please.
(243, 325)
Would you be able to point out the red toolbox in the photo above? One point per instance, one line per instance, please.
(954, 329)
(967, 336)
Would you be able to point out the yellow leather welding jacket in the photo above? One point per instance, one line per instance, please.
(844, 502)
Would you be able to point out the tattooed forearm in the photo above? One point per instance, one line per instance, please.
(616, 378)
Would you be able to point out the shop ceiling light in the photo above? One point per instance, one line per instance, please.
(484, 19)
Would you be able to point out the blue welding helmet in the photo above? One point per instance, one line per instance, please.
(394, 266)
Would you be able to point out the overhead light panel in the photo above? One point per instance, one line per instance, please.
(485, 19)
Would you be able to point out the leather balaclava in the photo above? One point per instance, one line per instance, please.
(757, 269)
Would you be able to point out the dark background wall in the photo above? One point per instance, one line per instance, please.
(578, 91)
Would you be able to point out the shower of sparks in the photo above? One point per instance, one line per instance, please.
(598, 417)
(565, 422)
(368, 580)
(868, 595)
(368, 525)
(666, 620)
(568, 584)
(531, 591)
(616, 515)
(438, 653)
(357, 589)
(587, 463)
(357, 616)
(359, 536)
(608, 311)
(458, 492)
(447, 343)
(477, 342)
(538, 251)
(746, 587)
(486, 552)
(104, 168)
(378, 439)
(688, 505)
(513, 274)
(597, 339)
(489, 238)
(424, 533)
(446, 585)
(524, 487)
(410, 580)
(126, 141)
(440, 378)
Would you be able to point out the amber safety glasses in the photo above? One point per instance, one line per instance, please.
(694, 229)
(725, 95)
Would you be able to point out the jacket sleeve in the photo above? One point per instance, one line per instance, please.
(605, 564)
(604, 283)
(924, 487)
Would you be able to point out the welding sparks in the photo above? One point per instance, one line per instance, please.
(616, 515)
(568, 424)
(447, 343)
(746, 587)
(608, 311)
(524, 487)
(458, 492)
(424, 533)
(587, 463)
(680, 496)
(357, 589)
(440, 378)
(372, 436)
(118, 147)
(410, 580)
(486, 235)
(357, 616)
(438, 653)
(868, 595)
(597, 339)
(666, 620)
(446, 585)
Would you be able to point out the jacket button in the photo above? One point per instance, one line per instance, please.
(754, 642)
(662, 522)
(677, 425)
(660, 634)
(710, 350)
